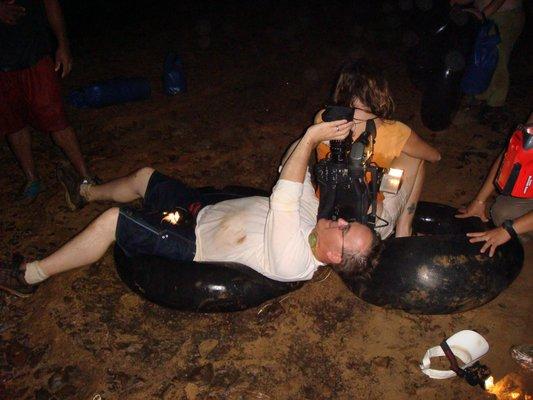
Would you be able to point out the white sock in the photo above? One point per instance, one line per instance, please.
(34, 274)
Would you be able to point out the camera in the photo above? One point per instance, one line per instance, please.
(347, 179)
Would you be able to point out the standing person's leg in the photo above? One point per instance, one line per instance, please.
(510, 25)
(48, 114)
(68, 142)
(20, 143)
(14, 116)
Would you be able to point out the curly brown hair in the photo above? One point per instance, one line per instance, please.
(359, 79)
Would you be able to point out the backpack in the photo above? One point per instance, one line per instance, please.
(482, 63)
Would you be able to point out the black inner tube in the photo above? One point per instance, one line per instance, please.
(442, 272)
(439, 273)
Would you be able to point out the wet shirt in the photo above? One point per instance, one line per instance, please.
(24, 44)
(269, 235)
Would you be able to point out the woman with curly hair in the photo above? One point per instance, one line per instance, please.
(362, 87)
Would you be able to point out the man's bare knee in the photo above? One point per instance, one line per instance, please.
(106, 223)
(141, 179)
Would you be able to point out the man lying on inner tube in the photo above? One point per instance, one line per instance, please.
(278, 237)
(512, 211)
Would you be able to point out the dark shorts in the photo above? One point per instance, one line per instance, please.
(143, 232)
(31, 96)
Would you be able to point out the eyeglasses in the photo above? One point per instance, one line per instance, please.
(344, 230)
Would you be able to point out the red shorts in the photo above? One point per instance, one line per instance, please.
(31, 96)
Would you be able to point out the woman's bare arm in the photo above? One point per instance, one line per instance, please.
(418, 148)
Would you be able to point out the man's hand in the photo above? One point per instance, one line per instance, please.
(334, 130)
(296, 162)
(11, 12)
(475, 209)
(492, 239)
(63, 60)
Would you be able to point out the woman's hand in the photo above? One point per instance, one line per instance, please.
(475, 209)
(334, 130)
(493, 239)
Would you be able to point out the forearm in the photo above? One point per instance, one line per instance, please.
(295, 166)
(56, 21)
(488, 186)
(492, 7)
(524, 223)
(416, 147)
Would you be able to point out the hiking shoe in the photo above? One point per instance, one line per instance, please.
(71, 182)
(31, 190)
(523, 355)
(12, 281)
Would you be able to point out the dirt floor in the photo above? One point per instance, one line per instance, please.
(256, 77)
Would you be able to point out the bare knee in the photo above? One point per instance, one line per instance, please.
(106, 223)
(141, 178)
(144, 173)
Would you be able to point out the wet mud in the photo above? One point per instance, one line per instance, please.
(256, 78)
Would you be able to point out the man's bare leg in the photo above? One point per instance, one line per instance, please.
(85, 248)
(414, 172)
(91, 244)
(68, 142)
(121, 190)
(20, 143)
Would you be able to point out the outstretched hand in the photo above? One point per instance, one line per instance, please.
(493, 238)
(334, 130)
(474, 209)
(11, 12)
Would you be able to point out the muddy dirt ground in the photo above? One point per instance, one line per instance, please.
(256, 75)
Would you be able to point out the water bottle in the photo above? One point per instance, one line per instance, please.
(113, 91)
(173, 77)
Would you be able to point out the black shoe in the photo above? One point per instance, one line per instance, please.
(71, 183)
(12, 281)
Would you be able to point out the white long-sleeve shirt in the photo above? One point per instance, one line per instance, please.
(268, 235)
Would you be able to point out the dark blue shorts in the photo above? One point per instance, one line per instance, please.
(143, 231)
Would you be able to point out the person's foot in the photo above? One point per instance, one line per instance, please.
(31, 190)
(12, 281)
(71, 182)
(523, 355)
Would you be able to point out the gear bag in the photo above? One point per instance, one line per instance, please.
(482, 63)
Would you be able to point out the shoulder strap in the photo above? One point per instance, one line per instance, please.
(370, 127)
